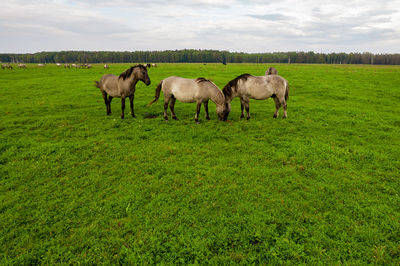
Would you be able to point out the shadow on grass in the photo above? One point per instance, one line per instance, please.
(151, 115)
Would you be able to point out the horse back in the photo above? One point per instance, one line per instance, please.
(183, 89)
(109, 84)
(263, 87)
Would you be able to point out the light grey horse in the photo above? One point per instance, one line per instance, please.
(248, 87)
(271, 71)
(8, 66)
(198, 90)
(122, 86)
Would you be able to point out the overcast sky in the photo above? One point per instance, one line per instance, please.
(233, 25)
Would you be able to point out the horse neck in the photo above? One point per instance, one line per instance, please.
(217, 97)
(234, 94)
(132, 80)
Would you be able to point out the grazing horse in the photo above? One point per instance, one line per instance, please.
(271, 71)
(106, 66)
(21, 65)
(154, 65)
(148, 65)
(41, 65)
(122, 86)
(248, 87)
(8, 66)
(198, 90)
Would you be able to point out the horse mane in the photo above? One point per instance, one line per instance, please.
(198, 80)
(127, 73)
(227, 90)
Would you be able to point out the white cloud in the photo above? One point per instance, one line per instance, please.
(235, 25)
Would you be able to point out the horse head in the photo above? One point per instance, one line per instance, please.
(140, 73)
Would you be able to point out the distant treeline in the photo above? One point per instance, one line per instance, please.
(201, 56)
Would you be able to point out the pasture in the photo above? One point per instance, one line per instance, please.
(320, 187)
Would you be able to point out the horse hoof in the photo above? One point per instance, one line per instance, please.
(122, 117)
(275, 116)
(175, 118)
(208, 118)
(134, 116)
(248, 118)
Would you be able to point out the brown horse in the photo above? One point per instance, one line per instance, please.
(248, 87)
(271, 71)
(122, 86)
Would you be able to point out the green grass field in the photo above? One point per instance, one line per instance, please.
(321, 187)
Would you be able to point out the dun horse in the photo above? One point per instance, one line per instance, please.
(248, 87)
(198, 90)
(122, 86)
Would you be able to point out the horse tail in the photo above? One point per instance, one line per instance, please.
(287, 91)
(158, 90)
(97, 84)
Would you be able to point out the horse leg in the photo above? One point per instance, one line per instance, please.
(105, 100)
(172, 106)
(131, 102)
(122, 107)
(284, 109)
(196, 118)
(247, 107)
(206, 108)
(166, 101)
(109, 103)
(277, 106)
(242, 107)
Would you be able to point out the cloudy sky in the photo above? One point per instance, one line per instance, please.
(233, 25)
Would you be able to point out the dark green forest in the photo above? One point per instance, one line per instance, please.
(200, 56)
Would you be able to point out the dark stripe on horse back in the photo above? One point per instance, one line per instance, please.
(201, 80)
(227, 90)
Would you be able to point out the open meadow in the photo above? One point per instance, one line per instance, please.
(320, 187)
